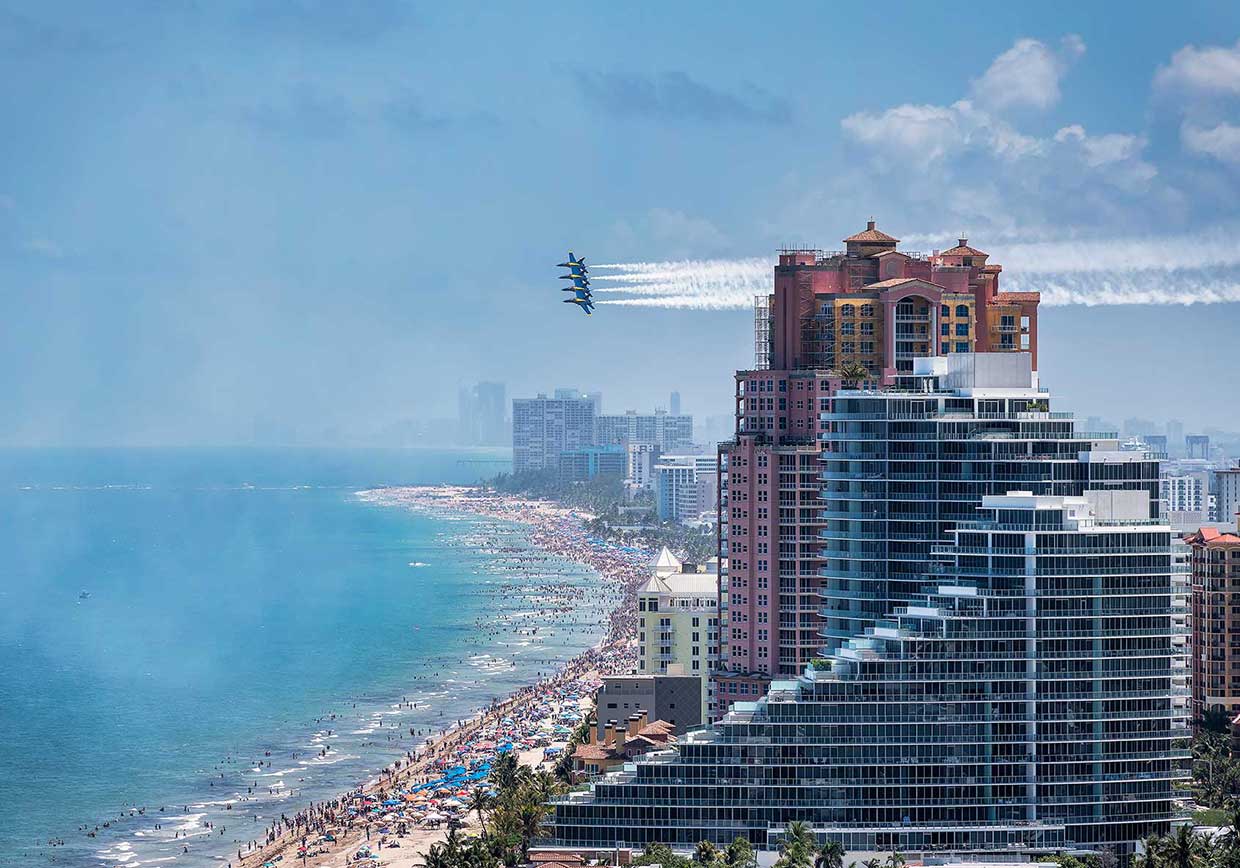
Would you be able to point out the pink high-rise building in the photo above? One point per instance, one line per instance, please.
(831, 316)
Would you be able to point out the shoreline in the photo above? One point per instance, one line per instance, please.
(391, 801)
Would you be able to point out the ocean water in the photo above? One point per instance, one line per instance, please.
(178, 628)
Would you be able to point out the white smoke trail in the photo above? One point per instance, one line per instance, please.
(1203, 268)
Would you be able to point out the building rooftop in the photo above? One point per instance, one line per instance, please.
(962, 248)
(1002, 297)
(870, 234)
(1211, 536)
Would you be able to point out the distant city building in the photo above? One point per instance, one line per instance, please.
(678, 621)
(1175, 437)
(1197, 446)
(686, 486)
(589, 462)
(669, 433)
(596, 398)
(674, 698)
(1157, 443)
(642, 459)
(543, 428)
(1186, 498)
(1215, 641)
(482, 415)
(673, 405)
(1227, 496)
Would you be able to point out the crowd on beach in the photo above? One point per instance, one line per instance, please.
(412, 800)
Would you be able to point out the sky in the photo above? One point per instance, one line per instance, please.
(222, 219)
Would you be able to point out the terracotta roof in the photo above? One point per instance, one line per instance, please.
(889, 253)
(1213, 536)
(558, 857)
(660, 729)
(872, 235)
(593, 752)
(963, 249)
(1002, 297)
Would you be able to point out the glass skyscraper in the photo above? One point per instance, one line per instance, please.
(1003, 645)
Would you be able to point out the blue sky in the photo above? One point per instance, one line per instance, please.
(216, 216)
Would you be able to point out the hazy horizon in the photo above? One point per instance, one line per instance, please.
(219, 222)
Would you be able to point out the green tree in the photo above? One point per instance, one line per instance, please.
(740, 854)
(480, 801)
(830, 855)
(853, 373)
(1182, 849)
(706, 853)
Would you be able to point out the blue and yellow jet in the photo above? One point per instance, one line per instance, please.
(582, 299)
(577, 273)
(574, 263)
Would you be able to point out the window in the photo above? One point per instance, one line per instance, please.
(962, 346)
(847, 328)
(962, 310)
(847, 347)
(946, 311)
(867, 328)
(867, 310)
(945, 329)
(962, 329)
(867, 347)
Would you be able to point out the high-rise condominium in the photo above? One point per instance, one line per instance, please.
(952, 621)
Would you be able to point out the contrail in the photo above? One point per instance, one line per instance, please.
(1202, 268)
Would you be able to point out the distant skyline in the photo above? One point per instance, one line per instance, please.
(219, 220)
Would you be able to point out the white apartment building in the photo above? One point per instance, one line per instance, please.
(686, 487)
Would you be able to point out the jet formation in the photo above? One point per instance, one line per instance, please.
(580, 276)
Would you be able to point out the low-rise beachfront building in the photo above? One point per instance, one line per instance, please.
(1029, 698)
(618, 741)
(678, 620)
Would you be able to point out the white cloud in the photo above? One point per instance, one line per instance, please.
(1210, 71)
(680, 228)
(1027, 75)
(928, 133)
(1222, 142)
(1104, 149)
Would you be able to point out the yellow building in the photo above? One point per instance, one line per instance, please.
(678, 620)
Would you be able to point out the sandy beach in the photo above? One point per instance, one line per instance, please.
(393, 819)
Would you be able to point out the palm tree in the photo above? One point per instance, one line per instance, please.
(531, 823)
(830, 855)
(1182, 849)
(740, 854)
(797, 832)
(480, 801)
(853, 373)
(706, 853)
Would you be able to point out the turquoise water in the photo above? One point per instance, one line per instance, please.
(234, 601)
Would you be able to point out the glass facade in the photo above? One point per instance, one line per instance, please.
(1003, 652)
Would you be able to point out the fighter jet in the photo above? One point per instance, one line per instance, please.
(578, 283)
(574, 263)
(582, 300)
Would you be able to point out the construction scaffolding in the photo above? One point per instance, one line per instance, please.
(761, 332)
